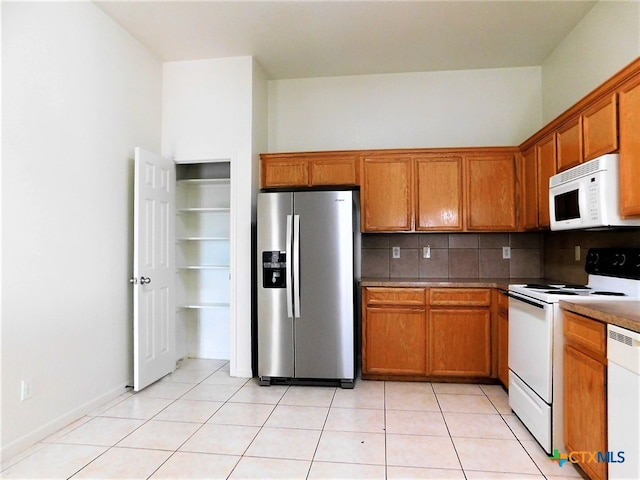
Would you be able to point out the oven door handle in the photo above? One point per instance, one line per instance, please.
(522, 299)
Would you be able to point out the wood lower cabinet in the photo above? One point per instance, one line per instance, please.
(585, 390)
(394, 332)
(503, 336)
(459, 332)
(630, 148)
(490, 185)
(387, 194)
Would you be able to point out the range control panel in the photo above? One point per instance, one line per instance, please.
(274, 269)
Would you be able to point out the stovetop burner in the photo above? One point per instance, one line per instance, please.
(540, 286)
(610, 294)
(560, 292)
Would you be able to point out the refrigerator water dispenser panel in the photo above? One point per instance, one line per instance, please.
(274, 269)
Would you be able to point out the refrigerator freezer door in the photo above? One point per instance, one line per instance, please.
(324, 331)
(275, 325)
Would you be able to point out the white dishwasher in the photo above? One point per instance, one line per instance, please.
(623, 400)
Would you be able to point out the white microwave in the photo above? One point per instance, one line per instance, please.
(587, 196)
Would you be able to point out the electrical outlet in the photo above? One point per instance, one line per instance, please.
(506, 252)
(395, 252)
(426, 252)
(26, 390)
(577, 253)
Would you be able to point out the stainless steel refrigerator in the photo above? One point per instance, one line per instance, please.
(308, 249)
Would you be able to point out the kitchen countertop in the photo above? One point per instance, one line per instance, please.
(623, 314)
(448, 282)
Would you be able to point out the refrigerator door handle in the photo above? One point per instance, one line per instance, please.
(296, 265)
(289, 272)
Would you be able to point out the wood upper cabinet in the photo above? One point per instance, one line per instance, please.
(585, 390)
(292, 170)
(284, 172)
(586, 136)
(600, 128)
(438, 192)
(387, 193)
(334, 171)
(394, 332)
(546, 157)
(569, 144)
(459, 332)
(630, 148)
(529, 190)
(490, 187)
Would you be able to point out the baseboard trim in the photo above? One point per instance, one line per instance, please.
(30, 439)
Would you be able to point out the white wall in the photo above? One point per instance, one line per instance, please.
(431, 109)
(78, 95)
(208, 110)
(604, 42)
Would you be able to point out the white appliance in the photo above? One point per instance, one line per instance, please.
(308, 272)
(587, 196)
(623, 402)
(536, 338)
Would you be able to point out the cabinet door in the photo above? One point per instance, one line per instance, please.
(546, 156)
(386, 194)
(285, 173)
(459, 342)
(438, 193)
(530, 190)
(630, 148)
(600, 128)
(394, 341)
(569, 143)
(585, 408)
(503, 338)
(337, 171)
(490, 186)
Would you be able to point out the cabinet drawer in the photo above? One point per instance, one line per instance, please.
(460, 296)
(395, 296)
(588, 333)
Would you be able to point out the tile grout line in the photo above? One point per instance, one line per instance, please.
(455, 449)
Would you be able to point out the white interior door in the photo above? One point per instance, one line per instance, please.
(153, 269)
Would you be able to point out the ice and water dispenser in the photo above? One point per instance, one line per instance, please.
(274, 269)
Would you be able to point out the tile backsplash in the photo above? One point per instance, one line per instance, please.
(453, 255)
(559, 250)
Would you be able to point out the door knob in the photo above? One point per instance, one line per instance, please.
(144, 280)
(133, 280)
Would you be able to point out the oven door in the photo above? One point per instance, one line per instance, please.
(531, 343)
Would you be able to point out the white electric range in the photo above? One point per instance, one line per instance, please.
(536, 339)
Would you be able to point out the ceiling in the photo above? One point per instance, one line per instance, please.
(307, 38)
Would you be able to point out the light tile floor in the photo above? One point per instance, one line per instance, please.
(199, 422)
